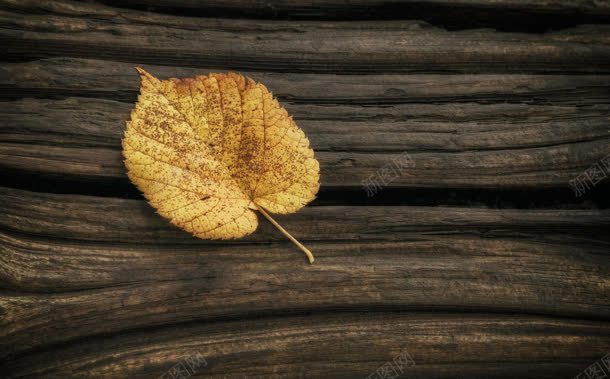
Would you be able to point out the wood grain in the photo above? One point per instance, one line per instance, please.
(330, 8)
(297, 46)
(504, 97)
(342, 345)
(392, 258)
(457, 145)
(65, 77)
(472, 130)
(123, 220)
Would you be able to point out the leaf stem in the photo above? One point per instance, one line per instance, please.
(299, 245)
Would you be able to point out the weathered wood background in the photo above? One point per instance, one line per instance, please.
(479, 260)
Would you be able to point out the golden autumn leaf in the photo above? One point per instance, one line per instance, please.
(207, 152)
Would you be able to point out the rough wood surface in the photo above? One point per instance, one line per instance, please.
(473, 130)
(501, 101)
(65, 77)
(80, 138)
(323, 346)
(492, 260)
(329, 8)
(363, 46)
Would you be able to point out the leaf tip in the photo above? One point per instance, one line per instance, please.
(144, 74)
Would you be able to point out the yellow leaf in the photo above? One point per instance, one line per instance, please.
(207, 152)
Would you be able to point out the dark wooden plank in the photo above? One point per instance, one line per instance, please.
(96, 31)
(111, 265)
(330, 8)
(180, 284)
(457, 145)
(322, 7)
(458, 142)
(64, 77)
(124, 220)
(32, 264)
(339, 346)
(506, 15)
